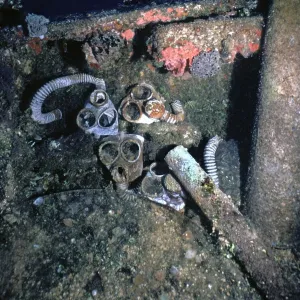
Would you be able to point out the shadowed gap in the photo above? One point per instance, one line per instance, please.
(243, 101)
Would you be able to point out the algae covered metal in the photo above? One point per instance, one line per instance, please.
(76, 220)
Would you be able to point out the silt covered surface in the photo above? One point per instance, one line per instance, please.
(89, 243)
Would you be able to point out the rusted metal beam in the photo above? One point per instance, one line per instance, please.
(177, 44)
(274, 198)
(232, 226)
(126, 22)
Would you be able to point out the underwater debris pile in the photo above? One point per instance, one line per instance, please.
(180, 47)
(74, 252)
(121, 153)
(154, 187)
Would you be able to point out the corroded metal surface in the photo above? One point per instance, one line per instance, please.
(229, 222)
(177, 44)
(275, 184)
(125, 22)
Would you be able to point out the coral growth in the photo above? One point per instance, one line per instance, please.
(106, 46)
(35, 44)
(176, 59)
(102, 50)
(162, 15)
(128, 34)
(37, 25)
(206, 64)
(153, 15)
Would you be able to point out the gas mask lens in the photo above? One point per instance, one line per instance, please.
(130, 150)
(141, 92)
(109, 152)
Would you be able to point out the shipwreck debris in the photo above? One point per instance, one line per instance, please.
(163, 189)
(145, 105)
(229, 222)
(210, 159)
(99, 116)
(58, 83)
(123, 157)
(139, 18)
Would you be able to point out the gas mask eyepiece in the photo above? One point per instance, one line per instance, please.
(99, 116)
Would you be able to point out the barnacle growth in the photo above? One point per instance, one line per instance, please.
(53, 85)
(206, 64)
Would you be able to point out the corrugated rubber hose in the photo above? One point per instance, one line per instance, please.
(210, 158)
(53, 85)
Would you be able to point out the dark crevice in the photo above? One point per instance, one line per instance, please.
(140, 42)
(57, 9)
(243, 99)
(72, 53)
(251, 281)
(247, 148)
(11, 17)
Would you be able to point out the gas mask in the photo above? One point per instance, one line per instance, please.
(161, 187)
(99, 116)
(123, 157)
(144, 105)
